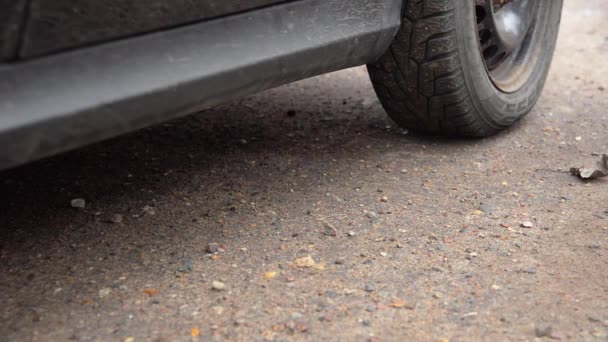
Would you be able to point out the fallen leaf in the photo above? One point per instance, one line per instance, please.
(270, 274)
(599, 170)
(306, 261)
(329, 229)
(150, 292)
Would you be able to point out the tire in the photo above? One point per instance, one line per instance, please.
(433, 79)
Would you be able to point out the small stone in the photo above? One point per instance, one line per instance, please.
(530, 270)
(495, 287)
(331, 294)
(129, 339)
(527, 224)
(243, 141)
(366, 322)
(403, 170)
(78, 203)
(477, 212)
(438, 295)
(578, 138)
(351, 233)
(218, 309)
(116, 218)
(384, 254)
(486, 208)
(384, 199)
(370, 308)
(104, 292)
(543, 331)
(212, 247)
(371, 214)
(149, 210)
(296, 315)
(370, 287)
(473, 254)
(186, 266)
(218, 285)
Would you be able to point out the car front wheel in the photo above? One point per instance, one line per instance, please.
(467, 67)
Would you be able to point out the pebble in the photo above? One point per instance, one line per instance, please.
(527, 224)
(104, 292)
(296, 315)
(370, 287)
(351, 233)
(186, 266)
(218, 285)
(149, 210)
(331, 294)
(78, 203)
(371, 214)
(486, 208)
(543, 331)
(384, 199)
(218, 309)
(212, 247)
(384, 254)
(116, 218)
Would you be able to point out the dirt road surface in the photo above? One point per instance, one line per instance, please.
(324, 220)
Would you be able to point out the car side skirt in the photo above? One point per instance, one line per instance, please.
(63, 101)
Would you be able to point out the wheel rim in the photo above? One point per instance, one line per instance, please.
(505, 29)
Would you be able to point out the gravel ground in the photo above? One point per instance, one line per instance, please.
(303, 213)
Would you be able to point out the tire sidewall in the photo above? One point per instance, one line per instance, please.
(499, 109)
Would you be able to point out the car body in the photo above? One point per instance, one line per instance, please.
(59, 91)
(77, 72)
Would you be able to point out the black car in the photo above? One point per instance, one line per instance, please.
(74, 72)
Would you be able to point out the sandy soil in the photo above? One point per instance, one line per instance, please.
(428, 244)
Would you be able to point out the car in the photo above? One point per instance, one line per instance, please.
(77, 72)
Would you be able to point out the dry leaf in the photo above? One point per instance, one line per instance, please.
(270, 274)
(599, 170)
(150, 292)
(306, 261)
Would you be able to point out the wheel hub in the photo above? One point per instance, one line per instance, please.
(502, 26)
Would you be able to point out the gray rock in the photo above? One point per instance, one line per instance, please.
(218, 285)
(78, 203)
